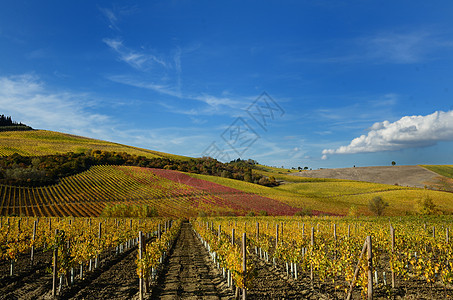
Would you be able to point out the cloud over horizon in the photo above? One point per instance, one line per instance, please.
(407, 132)
(30, 101)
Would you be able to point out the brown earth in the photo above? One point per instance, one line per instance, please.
(189, 274)
(413, 176)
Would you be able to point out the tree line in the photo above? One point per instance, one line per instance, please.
(7, 124)
(45, 170)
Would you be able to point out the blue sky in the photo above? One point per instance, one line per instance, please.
(293, 83)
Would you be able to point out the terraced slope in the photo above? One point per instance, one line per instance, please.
(43, 142)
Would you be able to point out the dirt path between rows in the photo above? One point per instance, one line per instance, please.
(120, 281)
(189, 274)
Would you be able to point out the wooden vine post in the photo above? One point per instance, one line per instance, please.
(356, 272)
(257, 232)
(447, 235)
(232, 236)
(312, 243)
(392, 237)
(55, 265)
(276, 236)
(96, 262)
(244, 264)
(141, 249)
(370, 267)
(281, 234)
(32, 254)
(335, 239)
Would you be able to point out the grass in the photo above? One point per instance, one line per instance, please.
(284, 175)
(339, 196)
(43, 142)
(444, 170)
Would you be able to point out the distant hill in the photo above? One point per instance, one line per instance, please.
(43, 142)
(413, 176)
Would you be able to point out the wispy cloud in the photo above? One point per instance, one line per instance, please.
(213, 105)
(407, 132)
(113, 15)
(139, 60)
(27, 99)
(357, 113)
(161, 88)
(400, 48)
(110, 16)
(397, 47)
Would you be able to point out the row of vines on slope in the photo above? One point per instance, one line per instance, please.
(86, 194)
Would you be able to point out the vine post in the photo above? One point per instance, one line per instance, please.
(244, 264)
(392, 237)
(312, 243)
(55, 264)
(356, 272)
(447, 235)
(370, 267)
(140, 257)
(32, 254)
(96, 261)
(276, 236)
(257, 232)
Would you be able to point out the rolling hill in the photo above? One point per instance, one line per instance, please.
(434, 177)
(44, 142)
(172, 193)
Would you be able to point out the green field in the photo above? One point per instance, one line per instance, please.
(444, 170)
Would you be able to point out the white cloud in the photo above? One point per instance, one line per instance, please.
(138, 60)
(397, 47)
(400, 48)
(110, 16)
(214, 105)
(28, 100)
(407, 132)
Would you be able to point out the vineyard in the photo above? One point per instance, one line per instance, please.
(406, 256)
(284, 257)
(339, 196)
(73, 247)
(86, 194)
(56, 241)
(44, 142)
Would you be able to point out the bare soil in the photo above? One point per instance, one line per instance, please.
(189, 274)
(413, 176)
